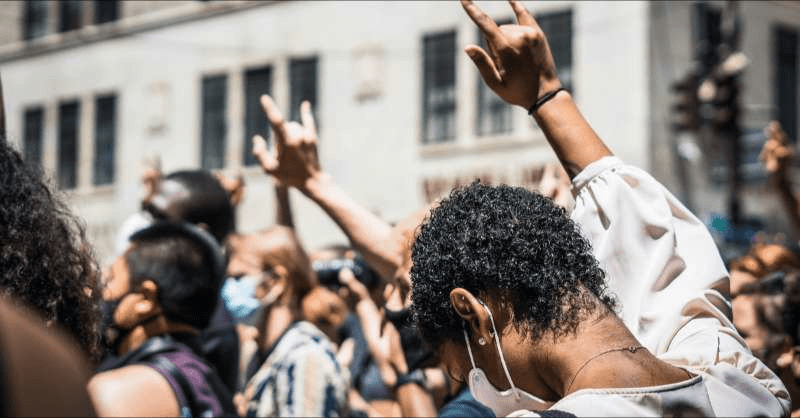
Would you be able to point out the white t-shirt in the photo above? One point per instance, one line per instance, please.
(662, 265)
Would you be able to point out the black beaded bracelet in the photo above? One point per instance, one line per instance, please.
(544, 99)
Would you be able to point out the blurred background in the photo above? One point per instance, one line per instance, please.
(97, 91)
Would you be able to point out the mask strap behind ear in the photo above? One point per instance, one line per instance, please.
(499, 350)
(469, 349)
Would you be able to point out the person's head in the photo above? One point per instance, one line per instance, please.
(501, 258)
(194, 196)
(762, 259)
(45, 259)
(171, 270)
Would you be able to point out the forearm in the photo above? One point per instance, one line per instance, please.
(283, 208)
(788, 198)
(415, 401)
(368, 234)
(572, 138)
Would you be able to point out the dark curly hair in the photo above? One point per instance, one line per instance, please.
(510, 243)
(45, 259)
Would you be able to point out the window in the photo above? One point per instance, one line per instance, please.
(34, 130)
(105, 11)
(71, 12)
(439, 87)
(302, 85)
(494, 115)
(558, 29)
(214, 128)
(785, 93)
(35, 19)
(257, 81)
(104, 139)
(68, 117)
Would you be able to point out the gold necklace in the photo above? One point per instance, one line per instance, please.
(632, 349)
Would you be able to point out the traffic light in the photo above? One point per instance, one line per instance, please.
(686, 108)
(725, 104)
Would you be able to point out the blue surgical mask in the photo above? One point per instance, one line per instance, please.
(505, 402)
(239, 296)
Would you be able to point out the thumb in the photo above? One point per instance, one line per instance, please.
(485, 65)
(267, 161)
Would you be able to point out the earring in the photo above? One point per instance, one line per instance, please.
(481, 341)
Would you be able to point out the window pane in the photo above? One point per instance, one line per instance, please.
(302, 86)
(214, 125)
(68, 116)
(785, 96)
(105, 11)
(494, 115)
(105, 139)
(558, 29)
(257, 81)
(439, 87)
(71, 12)
(35, 19)
(708, 34)
(34, 129)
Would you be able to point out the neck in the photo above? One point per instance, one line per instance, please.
(277, 321)
(159, 326)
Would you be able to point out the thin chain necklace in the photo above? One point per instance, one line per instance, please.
(632, 349)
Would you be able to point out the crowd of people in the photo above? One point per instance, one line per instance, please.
(599, 294)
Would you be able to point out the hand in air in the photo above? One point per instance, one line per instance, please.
(777, 152)
(518, 66)
(294, 160)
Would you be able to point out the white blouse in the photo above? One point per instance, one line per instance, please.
(663, 266)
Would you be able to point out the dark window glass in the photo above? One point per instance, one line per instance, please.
(439, 87)
(68, 120)
(302, 86)
(785, 96)
(558, 29)
(494, 115)
(35, 19)
(106, 11)
(71, 12)
(215, 127)
(34, 132)
(257, 81)
(105, 129)
(707, 34)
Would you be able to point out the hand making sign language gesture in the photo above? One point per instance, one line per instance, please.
(519, 66)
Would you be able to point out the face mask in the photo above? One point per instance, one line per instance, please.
(113, 334)
(503, 403)
(239, 296)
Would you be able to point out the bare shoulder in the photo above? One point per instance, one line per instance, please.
(135, 390)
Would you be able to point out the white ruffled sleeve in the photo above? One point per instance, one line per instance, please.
(663, 266)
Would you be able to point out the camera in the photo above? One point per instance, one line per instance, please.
(328, 271)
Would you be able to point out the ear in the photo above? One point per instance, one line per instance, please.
(148, 305)
(474, 313)
(278, 286)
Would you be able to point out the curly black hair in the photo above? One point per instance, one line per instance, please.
(510, 243)
(45, 259)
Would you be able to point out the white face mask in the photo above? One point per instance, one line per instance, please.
(239, 296)
(503, 403)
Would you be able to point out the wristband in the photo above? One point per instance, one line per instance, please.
(417, 376)
(544, 99)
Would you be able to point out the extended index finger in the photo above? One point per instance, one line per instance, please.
(484, 22)
(275, 118)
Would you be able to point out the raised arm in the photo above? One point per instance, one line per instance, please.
(295, 163)
(776, 154)
(519, 67)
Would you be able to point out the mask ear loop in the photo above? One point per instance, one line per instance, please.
(499, 350)
(469, 349)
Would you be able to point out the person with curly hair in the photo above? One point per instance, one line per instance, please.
(46, 262)
(518, 304)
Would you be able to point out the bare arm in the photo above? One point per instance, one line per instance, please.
(133, 390)
(776, 154)
(283, 207)
(295, 163)
(519, 67)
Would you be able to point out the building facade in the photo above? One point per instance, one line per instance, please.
(96, 90)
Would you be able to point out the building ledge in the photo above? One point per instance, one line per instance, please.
(89, 34)
(482, 145)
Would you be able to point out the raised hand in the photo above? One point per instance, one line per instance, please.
(295, 160)
(519, 66)
(777, 152)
